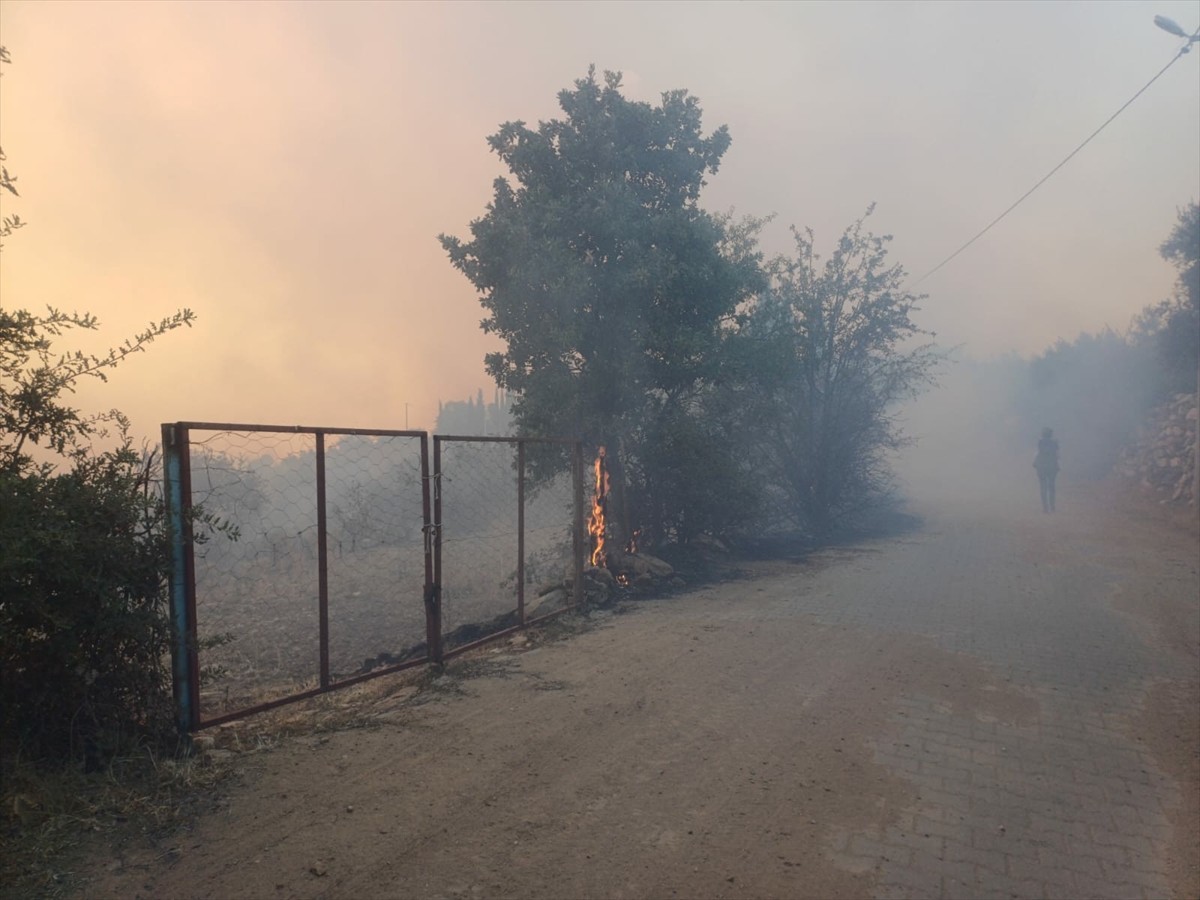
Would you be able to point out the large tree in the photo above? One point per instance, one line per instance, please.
(835, 348)
(610, 286)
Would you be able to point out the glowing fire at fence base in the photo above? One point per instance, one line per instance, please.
(597, 524)
(627, 567)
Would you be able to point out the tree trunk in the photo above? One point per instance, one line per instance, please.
(616, 510)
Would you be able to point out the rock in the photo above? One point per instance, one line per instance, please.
(595, 591)
(601, 576)
(644, 563)
(708, 542)
(552, 599)
(569, 573)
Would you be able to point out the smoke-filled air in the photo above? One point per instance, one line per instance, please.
(347, 344)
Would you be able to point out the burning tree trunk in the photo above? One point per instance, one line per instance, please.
(597, 524)
(614, 563)
(608, 523)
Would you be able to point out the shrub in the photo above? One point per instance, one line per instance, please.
(84, 559)
(84, 628)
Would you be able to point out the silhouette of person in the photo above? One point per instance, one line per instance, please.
(1046, 463)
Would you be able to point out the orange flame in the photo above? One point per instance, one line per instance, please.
(597, 526)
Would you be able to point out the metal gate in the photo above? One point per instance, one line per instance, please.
(343, 537)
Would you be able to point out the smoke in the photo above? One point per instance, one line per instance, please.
(974, 436)
(968, 444)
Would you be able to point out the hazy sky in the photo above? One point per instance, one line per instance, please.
(284, 170)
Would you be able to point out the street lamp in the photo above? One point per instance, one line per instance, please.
(1173, 27)
(1170, 25)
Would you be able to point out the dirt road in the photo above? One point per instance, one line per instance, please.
(998, 704)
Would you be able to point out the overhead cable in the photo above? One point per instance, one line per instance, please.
(1046, 178)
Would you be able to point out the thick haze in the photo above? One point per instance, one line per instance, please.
(284, 170)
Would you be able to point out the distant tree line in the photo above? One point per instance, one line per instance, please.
(1096, 388)
(474, 416)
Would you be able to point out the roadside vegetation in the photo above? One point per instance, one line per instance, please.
(1095, 390)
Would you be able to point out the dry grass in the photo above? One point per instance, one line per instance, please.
(269, 609)
(54, 818)
(50, 815)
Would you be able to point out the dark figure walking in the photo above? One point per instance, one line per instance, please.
(1046, 464)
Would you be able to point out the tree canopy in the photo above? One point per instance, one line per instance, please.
(609, 284)
(595, 263)
(836, 349)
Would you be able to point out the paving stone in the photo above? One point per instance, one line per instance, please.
(1062, 802)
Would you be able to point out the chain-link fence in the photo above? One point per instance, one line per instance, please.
(257, 625)
(354, 555)
(507, 534)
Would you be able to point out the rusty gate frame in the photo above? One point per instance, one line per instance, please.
(577, 532)
(177, 498)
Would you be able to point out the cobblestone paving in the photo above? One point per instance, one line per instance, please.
(1064, 804)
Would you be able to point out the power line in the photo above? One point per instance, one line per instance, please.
(1046, 178)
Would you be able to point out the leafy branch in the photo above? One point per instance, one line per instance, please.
(32, 379)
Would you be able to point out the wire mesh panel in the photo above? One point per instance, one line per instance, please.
(479, 538)
(376, 562)
(550, 523)
(257, 631)
(340, 563)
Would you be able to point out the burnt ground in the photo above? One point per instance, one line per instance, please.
(995, 704)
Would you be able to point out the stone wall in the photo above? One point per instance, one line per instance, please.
(1163, 456)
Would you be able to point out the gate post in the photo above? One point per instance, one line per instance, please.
(521, 532)
(580, 545)
(177, 503)
(433, 547)
(322, 566)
